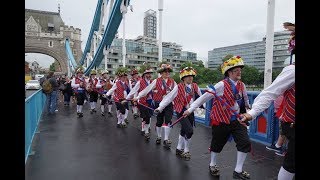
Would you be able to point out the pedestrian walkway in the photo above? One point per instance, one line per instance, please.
(92, 148)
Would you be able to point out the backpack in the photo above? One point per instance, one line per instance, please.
(47, 87)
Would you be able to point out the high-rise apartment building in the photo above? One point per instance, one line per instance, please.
(150, 24)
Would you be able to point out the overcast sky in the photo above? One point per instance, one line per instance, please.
(198, 25)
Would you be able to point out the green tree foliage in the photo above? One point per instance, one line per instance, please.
(250, 75)
(52, 67)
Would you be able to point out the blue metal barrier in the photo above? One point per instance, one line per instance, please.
(33, 110)
(263, 129)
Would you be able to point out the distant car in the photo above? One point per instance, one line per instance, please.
(33, 84)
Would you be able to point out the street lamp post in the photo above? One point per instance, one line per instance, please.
(160, 8)
(269, 44)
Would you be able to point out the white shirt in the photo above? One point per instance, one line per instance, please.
(173, 94)
(114, 87)
(283, 82)
(219, 92)
(74, 85)
(151, 87)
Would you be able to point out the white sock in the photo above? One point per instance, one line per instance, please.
(118, 113)
(102, 108)
(126, 114)
(134, 109)
(146, 128)
(109, 107)
(285, 175)
(78, 107)
(213, 158)
(166, 132)
(277, 146)
(120, 118)
(241, 156)
(142, 125)
(159, 131)
(186, 144)
(180, 142)
(94, 105)
(91, 105)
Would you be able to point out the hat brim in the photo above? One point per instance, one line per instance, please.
(240, 66)
(187, 76)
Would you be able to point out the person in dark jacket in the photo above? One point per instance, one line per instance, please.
(67, 91)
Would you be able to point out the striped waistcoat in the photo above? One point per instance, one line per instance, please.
(220, 113)
(289, 100)
(182, 99)
(160, 91)
(119, 92)
(143, 85)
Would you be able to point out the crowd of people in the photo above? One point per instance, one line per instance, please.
(162, 96)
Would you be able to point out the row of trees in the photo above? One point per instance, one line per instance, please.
(249, 75)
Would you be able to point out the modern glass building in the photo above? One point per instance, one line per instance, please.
(150, 24)
(144, 49)
(253, 53)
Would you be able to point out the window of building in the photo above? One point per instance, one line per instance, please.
(50, 44)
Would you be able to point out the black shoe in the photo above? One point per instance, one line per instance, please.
(242, 175)
(167, 144)
(158, 140)
(123, 125)
(80, 114)
(102, 114)
(110, 115)
(94, 110)
(126, 120)
(135, 116)
(142, 133)
(91, 111)
(147, 136)
(118, 126)
(214, 170)
(186, 156)
(179, 152)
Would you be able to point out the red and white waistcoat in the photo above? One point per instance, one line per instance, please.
(160, 90)
(119, 92)
(143, 85)
(183, 98)
(289, 100)
(219, 112)
(78, 81)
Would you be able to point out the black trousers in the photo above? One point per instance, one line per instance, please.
(289, 158)
(165, 115)
(93, 96)
(221, 133)
(122, 107)
(80, 98)
(145, 113)
(186, 125)
(104, 100)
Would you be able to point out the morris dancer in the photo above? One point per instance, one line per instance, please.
(145, 101)
(182, 96)
(133, 81)
(105, 85)
(283, 84)
(120, 89)
(93, 91)
(224, 123)
(161, 87)
(78, 84)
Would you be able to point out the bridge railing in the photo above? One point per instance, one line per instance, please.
(33, 109)
(263, 129)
